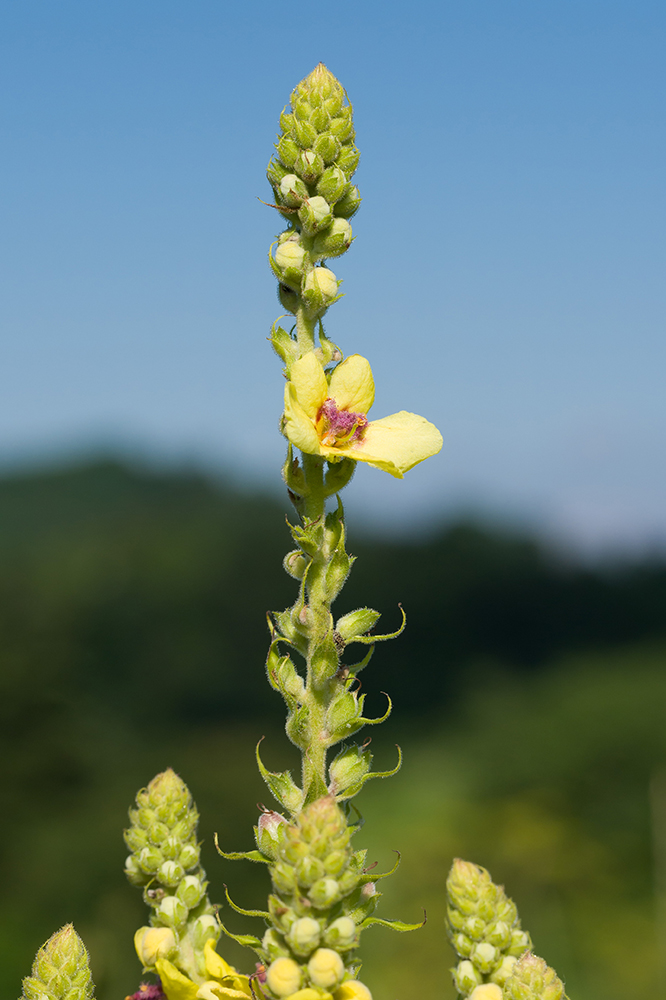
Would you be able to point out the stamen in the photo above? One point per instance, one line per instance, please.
(339, 427)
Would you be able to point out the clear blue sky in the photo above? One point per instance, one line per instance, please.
(507, 281)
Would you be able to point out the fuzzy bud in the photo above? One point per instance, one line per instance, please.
(341, 934)
(152, 943)
(283, 977)
(349, 203)
(292, 190)
(532, 979)
(489, 991)
(303, 936)
(315, 215)
(334, 241)
(325, 968)
(320, 289)
(352, 989)
(466, 978)
(61, 970)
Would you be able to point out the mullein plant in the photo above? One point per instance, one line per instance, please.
(322, 893)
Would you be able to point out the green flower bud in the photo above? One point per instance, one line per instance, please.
(348, 160)
(465, 977)
(284, 878)
(157, 833)
(332, 184)
(134, 872)
(269, 832)
(356, 623)
(475, 928)
(320, 289)
(325, 968)
(136, 838)
(191, 891)
(295, 563)
(292, 190)
(304, 133)
(189, 856)
(152, 943)
(287, 151)
(289, 263)
(204, 928)
(303, 936)
(462, 945)
(328, 147)
(170, 873)
(302, 110)
(341, 934)
(275, 172)
(283, 977)
(308, 165)
(320, 119)
(520, 942)
(273, 946)
(324, 893)
(349, 203)
(335, 241)
(61, 970)
(171, 912)
(149, 859)
(309, 871)
(484, 957)
(504, 970)
(315, 214)
(532, 979)
(287, 122)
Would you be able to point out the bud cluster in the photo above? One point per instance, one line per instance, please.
(311, 180)
(321, 897)
(165, 863)
(532, 979)
(483, 927)
(61, 970)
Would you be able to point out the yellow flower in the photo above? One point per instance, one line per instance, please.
(330, 418)
(225, 981)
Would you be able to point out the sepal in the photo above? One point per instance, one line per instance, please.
(281, 785)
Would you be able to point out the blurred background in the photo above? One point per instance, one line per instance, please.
(507, 283)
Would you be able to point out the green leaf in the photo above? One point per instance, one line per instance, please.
(240, 855)
(394, 925)
(281, 784)
(264, 914)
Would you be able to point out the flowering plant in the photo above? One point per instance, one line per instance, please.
(322, 894)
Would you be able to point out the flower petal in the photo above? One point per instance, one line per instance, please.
(213, 990)
(352, 385)
(174, 983)
(216, 966)
(297, 426)
(309, 383)
(396, 443)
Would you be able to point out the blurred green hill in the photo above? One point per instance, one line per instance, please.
(132, 636)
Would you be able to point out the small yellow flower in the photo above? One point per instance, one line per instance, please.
(352, 990)
(488, 991)
(330, 418)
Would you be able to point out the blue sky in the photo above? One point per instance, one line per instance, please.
(507, 280)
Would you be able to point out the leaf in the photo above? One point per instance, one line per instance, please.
(281, 784)
(264, 914)
(376, 722)
(240, 855)
(394, 925)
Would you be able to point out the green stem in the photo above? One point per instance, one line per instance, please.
(305, 331)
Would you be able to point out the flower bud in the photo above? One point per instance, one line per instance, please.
(60, 970)
(325, 968)
(284, 878)
(328, 147)
(157, 833)
(308, 165)
(204, 928)
(463, 945)
(170, 873)
(320, 119)
(352, 989)
(287, 151)
(295, 563)
(308, 871)
(504, 970)
(171, 912)
(341, 934)
(532, 979)
(520, 942)
(335, 240)
(283, 977)
(191, 891)
(332, 184)
(292, 190)
(189, 856)
(304, 134)
(356, 623)
(484, 956)
(289, 263)
(465, 977)
(488, 991)
(348, 160)
(133, 871)
(149, 859)
(152, 943)
(349, 203)
(324, 893)
(273, 945)
(269, 832)
(275, 172)
(303, 936)
(315, 214)
(320, 289)
(342, 128)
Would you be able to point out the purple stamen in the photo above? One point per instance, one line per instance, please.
(340, 426)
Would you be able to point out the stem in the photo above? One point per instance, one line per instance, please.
(305, 331)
